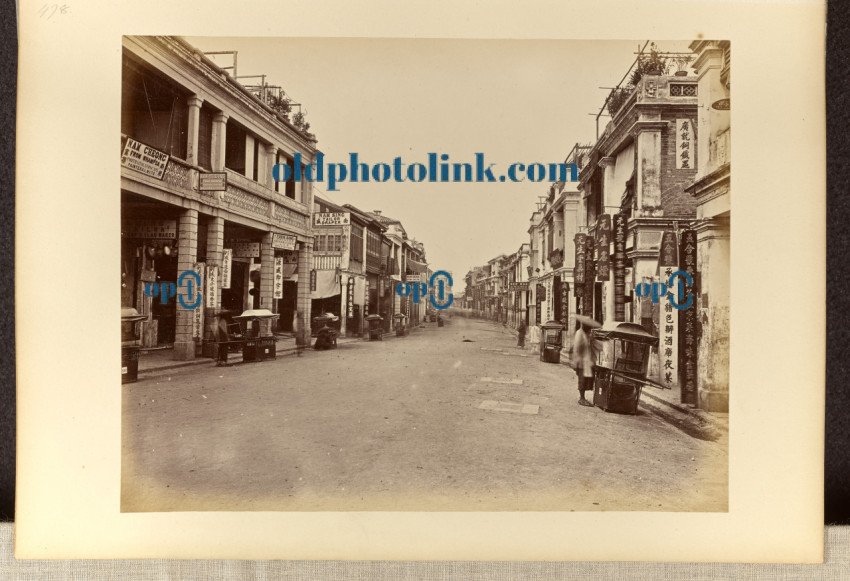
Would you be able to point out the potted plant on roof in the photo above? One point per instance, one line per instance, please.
(652, 64)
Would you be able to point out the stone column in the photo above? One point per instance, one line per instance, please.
(269, 152)
(215, 245)
(187, 255)
(192, 127)
(713, 351)
(648, 186)
(249, 156)
(266, 280)
(711, 151)
(303, 302)
(219, 141)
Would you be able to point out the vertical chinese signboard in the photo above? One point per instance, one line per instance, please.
(578, 269)
(278, 277)
(565, 303)
(226, 264)
(668, 262)
(684, 153)
(350, 298)
(212, 287)
(589, 276)
(539, 296)
(688, 321)
(619, 267)
(603, 242)
(198, 313)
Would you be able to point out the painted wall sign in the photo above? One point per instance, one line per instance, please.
(149, 229)
(144, 159)
(721, 105)
(246, 249)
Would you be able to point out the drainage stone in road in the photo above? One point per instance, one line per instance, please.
(506, 406)
(502, 381)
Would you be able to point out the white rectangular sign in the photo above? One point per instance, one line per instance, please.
(331, 218)
(278, 277)
(685, 155)
(147, 160)
(212, 288)
(198, 314)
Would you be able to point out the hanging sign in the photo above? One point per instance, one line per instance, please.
(684, 144)
(212, 286)
(198, 314)
(589, 274)
(603, 247)
(278, 277)
(688, 322)
(246, 249)
(565, 303)
(212, 182)
(283, 241)
(350, 297)
(668, 253)
(579, 268)
(226, 264)
(313, 280)
(143, 159)
(619, 267)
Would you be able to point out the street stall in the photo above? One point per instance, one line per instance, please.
(376, 333)
(551, 341)
(254, 346)
(400, 324)
(130, 346)
(621, 366)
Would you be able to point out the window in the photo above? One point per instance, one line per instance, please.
(357, 243)
(234, 148)
(683, 90)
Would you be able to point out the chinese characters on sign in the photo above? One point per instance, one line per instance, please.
(668, 254)
(578, 270)
(565, 303)
(684, 143)
(226, 264)
(350, 298)
(603, 242)
(198, 314)
(144, 159)
(278, 277)
(619, 267)
(688, 323)
(212, 286)
(589, 277)
(668, 344)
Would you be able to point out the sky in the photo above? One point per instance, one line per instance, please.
(512, 100)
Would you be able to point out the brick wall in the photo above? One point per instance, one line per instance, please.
(675, 202)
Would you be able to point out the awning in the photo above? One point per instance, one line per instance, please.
(417, 267)
(327, 284)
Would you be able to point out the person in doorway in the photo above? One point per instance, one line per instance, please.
(583, 358)
(521, 330)
(297, 330)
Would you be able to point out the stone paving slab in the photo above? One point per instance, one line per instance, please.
(507, 406)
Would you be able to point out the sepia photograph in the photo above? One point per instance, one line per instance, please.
(424, 274)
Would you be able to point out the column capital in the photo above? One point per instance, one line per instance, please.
(221, 117)
(195, 101)
(606, 162)
(271, 148)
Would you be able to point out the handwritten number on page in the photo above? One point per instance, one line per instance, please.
(48, 11)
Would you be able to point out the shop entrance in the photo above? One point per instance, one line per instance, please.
(165, 314)
(287, 306)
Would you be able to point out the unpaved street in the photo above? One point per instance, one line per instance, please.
(396, 425)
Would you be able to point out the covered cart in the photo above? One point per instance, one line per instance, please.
(376, 332)
(620, 371)
(400, 324)
(551, 341)
(255, 347)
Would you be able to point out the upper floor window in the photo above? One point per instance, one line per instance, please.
(154, 109)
